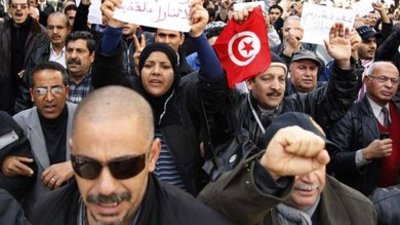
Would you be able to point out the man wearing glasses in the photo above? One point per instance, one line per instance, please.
(18, 38)
(47, 126)
(369, 134)
(113, 153)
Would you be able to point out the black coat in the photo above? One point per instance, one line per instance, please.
(12, 99)
(162, 204)
(356, 130)
(182, 123)
(389, 49)
(18, 145)
(326, 104)
(11, 212)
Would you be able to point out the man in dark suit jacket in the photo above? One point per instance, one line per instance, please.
(370, 143)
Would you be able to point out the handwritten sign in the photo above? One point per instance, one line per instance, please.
(317, 21)
(242, 5)
(171, 14)
(94, 16)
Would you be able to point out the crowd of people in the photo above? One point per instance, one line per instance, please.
(117, 123)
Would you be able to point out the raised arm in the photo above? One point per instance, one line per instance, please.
(108, 64)
(238, 195)
(209, 63)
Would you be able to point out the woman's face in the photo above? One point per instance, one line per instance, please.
(157, 74)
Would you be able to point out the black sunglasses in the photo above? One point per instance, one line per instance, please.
(121, 168)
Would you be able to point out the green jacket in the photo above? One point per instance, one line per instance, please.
(236, 195)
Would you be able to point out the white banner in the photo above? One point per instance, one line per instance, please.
(171, 14)
(94, 16)
(317, 21)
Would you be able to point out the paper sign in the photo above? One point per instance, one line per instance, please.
(242, 5)
(171, 14)
(94, 16)
(317, 21)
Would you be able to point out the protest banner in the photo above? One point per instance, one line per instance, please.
(94, 16)
(317, 21)
(171, 14)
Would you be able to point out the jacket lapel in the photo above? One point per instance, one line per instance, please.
(36, 138)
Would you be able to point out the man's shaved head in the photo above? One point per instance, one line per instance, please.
(115, 103)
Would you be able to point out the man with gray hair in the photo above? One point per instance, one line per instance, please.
(368, 133)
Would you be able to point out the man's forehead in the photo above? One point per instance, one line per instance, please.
(164, 31)
(19, 1)
(77, 44)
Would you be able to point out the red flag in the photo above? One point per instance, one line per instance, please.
(243, 49)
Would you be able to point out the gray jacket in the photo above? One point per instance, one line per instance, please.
(29, 122)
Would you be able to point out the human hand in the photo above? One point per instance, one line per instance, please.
(378, 6)
(355, 40)
(377, 149)
(85, 2)
(107, 8)
(139, 46)
(55, 175)
(241, 15)
(299, 152)
(16, 166)
(339, 45)
(198, 17)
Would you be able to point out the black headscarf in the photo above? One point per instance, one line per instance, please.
(158, 103)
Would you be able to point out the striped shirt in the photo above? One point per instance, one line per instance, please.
(165, 167)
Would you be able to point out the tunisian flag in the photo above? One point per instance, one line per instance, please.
(243, 49)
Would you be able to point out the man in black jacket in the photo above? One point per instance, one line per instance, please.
(18, 38)
(369, 142)
(256, 110)
(114, 153)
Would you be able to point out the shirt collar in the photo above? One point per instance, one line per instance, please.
(376, 109)
(54, 53)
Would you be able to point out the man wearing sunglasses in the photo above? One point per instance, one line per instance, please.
(48, 127)
(113, 155)
(369, 133)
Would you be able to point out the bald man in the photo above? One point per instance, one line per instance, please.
(113, 154)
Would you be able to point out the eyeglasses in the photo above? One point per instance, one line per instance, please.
(21, 5)
(121, 168)
(384, 79)
(55, 90)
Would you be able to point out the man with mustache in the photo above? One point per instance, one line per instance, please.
(47, 127)
(254, 111)
(113, 154)
(80, 47)
(280, 186)
(19, 36)
(54, 48)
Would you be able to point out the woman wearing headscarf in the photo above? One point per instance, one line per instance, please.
(176, 102)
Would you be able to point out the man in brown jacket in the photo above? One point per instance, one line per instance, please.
(287, 183)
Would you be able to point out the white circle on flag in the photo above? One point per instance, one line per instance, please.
(243, 48)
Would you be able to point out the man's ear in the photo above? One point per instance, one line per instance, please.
(366, 79)
(250, 84)
(153, 154)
